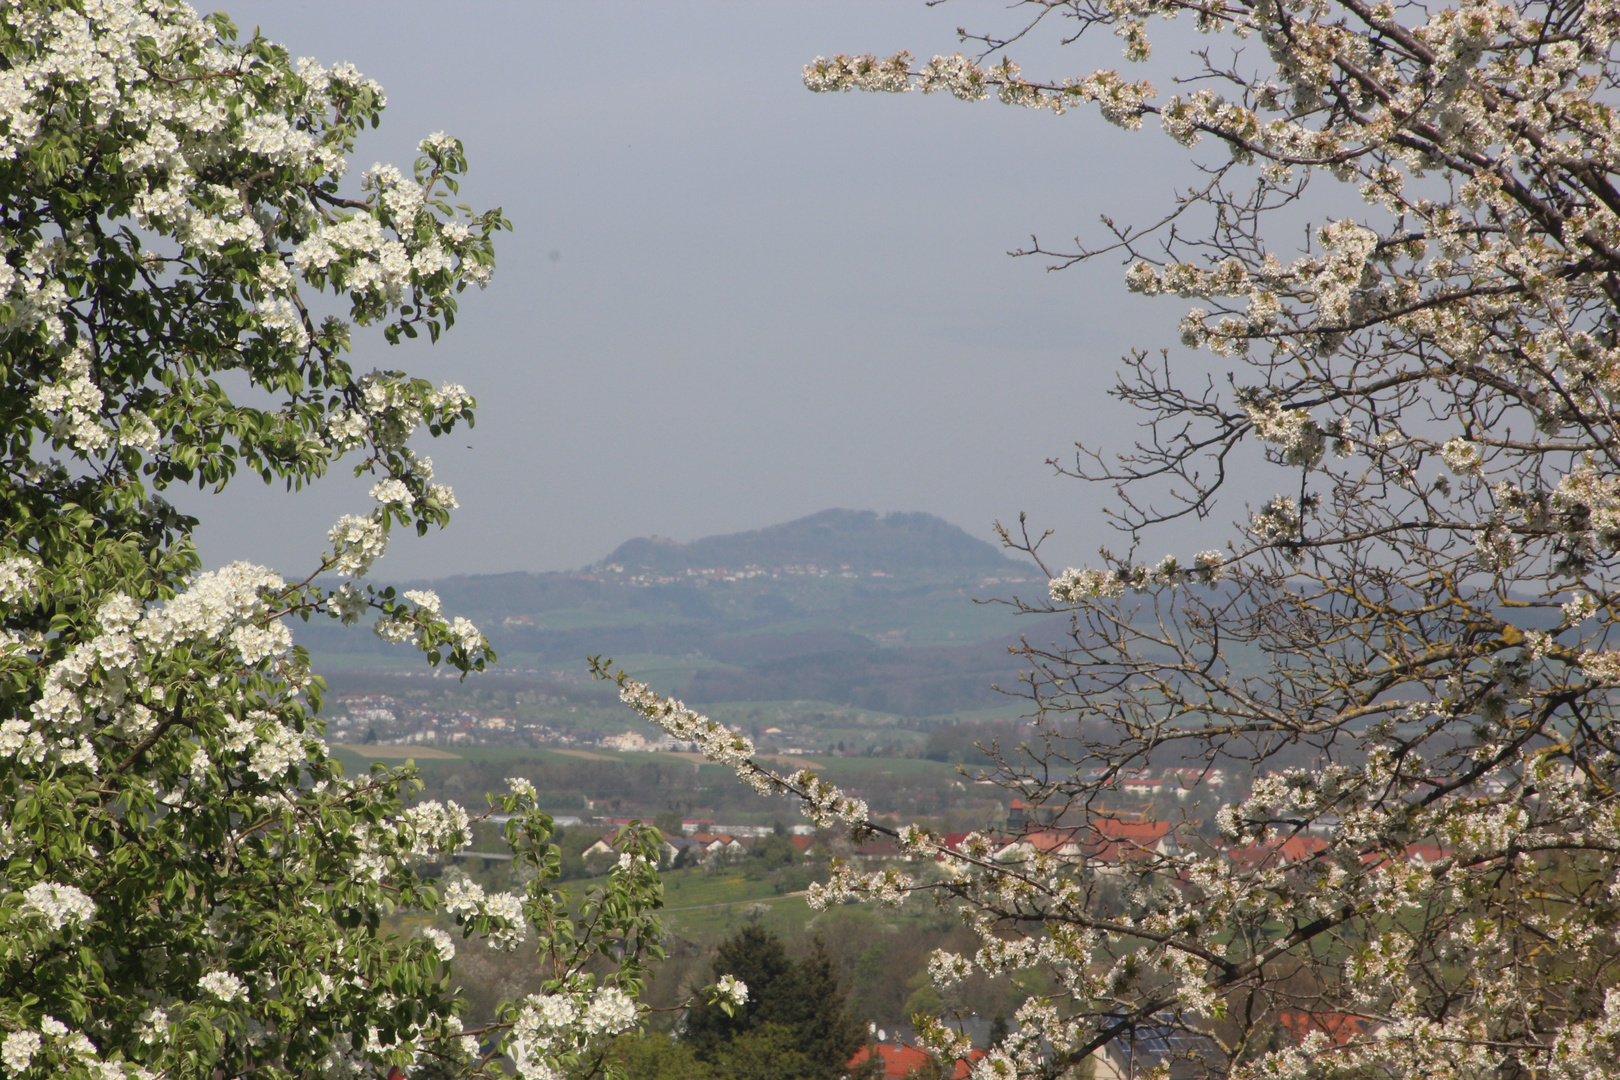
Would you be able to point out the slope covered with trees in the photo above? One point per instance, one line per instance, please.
(843, 607)
(904, 545)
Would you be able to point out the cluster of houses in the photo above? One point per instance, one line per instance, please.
(1177, 782)
(1156, 1048)
(616, 572)
(388, 721)
(1105, 845)
(1109, 844)
(702, 841)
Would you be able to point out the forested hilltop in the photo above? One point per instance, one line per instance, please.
(849, 608)
(859, 541)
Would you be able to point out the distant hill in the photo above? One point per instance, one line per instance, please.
(904, 545)
(845, 607)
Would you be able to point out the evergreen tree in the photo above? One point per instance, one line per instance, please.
(756, 956)
(797, 1016)
(815, 1004)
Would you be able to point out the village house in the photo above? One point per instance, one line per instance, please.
(605, 846)
(1114, 842)
(1265, 856)
(718, 845)
(1060, 843)
(1159, 1050)
(1341, 1029)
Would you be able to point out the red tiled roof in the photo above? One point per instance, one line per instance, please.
(1141, 833)
(900, 1060)
(1115, 839)
(1419, 853)
(1428, 853)
(1340, 1028)
(1294, 849)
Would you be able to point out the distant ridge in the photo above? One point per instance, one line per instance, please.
(859, 540)
(844, 607)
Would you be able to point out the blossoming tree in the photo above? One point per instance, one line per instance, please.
(1407, 651)
(189, 885)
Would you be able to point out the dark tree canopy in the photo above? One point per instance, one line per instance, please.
(797, 1013)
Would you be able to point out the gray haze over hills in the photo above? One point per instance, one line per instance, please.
(842, 607)
(846, 540)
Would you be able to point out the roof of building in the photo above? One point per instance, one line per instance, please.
(1142, 832)
(900, 1060)
(1341, 1028)
(1053, 841)
(1113, 840)
(1294, 849)
(1426, 853)
(1183, 1054)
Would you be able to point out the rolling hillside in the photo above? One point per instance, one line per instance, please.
(844, 607)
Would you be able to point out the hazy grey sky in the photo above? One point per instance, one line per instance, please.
(730, 302)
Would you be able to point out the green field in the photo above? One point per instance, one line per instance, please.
(705, 905)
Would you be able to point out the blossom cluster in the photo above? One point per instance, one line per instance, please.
(500, 915)
(114, 676)
(19, 1049)
(1120, 102)
(58, 905)
(1301, 439)
(549, 1025)
(1077, 586)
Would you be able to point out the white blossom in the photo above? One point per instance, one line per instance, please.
(1461, 456)
(431, 828)
(1579, 608)
(443, 947)
(466, 634)
(611, 1011)
(223, 985)
(276, 752)
(17, 578)
(357, 542)
(18, 1049)
(732, 989)
(1299, 436)
(425, 599)
(75, 401)
(256, 643)
(58, 905)
(390, 491)
(1076, 585)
